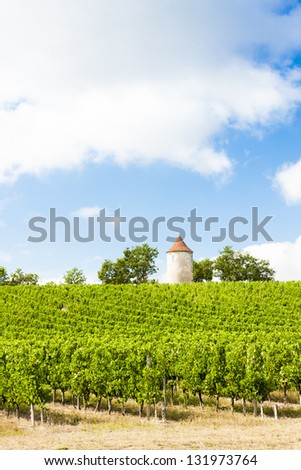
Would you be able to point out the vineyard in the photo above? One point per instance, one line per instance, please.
(142, 343)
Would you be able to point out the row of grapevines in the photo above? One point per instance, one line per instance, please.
(159, 309)
(137, 370)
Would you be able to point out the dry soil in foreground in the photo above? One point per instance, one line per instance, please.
(192, 429)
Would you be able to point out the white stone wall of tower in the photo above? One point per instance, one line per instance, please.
(179, 267)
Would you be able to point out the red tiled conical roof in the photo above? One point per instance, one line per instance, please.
(179, 245)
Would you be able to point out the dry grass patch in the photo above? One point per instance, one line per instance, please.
(190, 428)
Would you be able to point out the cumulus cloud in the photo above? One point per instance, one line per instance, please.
(288, 182)
(284, 257)
(86, 80)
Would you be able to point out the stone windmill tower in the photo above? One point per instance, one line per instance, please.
(179, 263)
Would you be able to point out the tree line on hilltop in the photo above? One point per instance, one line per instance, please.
(138, 265)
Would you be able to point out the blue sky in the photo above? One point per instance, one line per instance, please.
(156, 108)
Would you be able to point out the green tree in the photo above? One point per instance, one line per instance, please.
(203, 270)
(20, 278)
(141, 262)
(114, 273)
(238, 266)
(135, 267)
(74, 276)
(3, 276)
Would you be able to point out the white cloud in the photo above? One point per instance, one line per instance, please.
(284, 257)
(288, 182)
(86, 212)
(139, 82)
